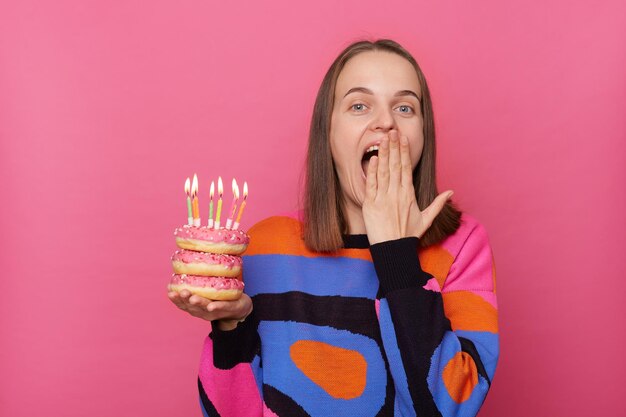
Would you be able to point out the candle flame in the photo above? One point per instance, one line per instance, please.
(235, 190)
(245, 190)
(212, 193)
(220, 186)
(187, 182)
(194, 185)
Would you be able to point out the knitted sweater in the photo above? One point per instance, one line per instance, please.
(383, 330)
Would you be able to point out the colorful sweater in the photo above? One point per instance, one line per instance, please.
(383, 330)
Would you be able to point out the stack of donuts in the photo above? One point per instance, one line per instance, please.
(208, 263)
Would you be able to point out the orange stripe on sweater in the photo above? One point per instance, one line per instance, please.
(436, 261)
(338, 371)
(460, 376)
(283, 235)
(468, 311)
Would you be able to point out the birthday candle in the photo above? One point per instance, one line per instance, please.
(220, 191)
(196, 203)
(189, 213)
(233, 204)
(243, 205)
(211, 204)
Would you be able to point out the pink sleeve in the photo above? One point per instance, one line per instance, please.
(230, 392)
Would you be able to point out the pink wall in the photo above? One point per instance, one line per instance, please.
(105, 109)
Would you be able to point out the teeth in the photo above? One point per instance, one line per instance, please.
(372, 148)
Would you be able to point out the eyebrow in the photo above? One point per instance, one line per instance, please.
(368, 91)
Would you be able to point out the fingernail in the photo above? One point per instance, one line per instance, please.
(450, 194)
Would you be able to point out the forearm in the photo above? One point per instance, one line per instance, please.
(234, 342)
(425, 354)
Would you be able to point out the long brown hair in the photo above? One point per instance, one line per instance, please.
(324, 220)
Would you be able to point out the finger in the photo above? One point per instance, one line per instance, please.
(185, 294)
(382, 173)
(221, 309)
(395, 166)
(435, 207)
(371, 184)
(175, 298)
(196, 300)
(231, 310)
(405, 160)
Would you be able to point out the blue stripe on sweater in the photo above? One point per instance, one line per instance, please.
(257, 371)
(488, 347)
(320, 276)
(403, 404)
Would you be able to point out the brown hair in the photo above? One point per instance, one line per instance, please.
(324, 220)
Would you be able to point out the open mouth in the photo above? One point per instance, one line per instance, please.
(365, 161)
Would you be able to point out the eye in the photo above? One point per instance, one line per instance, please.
(405, 109)
(358, 107)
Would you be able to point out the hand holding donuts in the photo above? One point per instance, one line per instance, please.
(390, 210)
(229, 313)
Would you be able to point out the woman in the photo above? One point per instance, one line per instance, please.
(369, 305)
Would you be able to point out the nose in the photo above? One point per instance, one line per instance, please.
(383, 121)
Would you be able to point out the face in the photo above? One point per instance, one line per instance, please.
(376, 92)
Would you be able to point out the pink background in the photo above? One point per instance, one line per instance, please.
(106, 107)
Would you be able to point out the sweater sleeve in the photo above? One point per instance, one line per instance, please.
(442, 345)
(230, 369)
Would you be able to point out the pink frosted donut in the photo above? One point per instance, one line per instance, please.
(206, 264)
(213, 288)
(204, 239)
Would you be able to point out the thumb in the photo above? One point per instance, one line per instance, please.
(436, 206)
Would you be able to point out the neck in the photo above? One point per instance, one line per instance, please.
(354, 218)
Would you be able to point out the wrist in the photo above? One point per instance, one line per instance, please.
(377, 234)
(380, 238)
(397, 264)
(227, 324)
